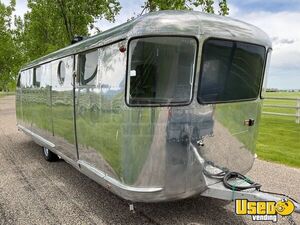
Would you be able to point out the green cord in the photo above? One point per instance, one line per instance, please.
(233, 190)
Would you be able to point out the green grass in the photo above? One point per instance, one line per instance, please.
(283, 94)
(279, 136)
(6, 93)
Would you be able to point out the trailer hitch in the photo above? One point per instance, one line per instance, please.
(219, 191)
(246, 189)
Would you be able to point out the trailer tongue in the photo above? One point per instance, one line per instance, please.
(232, 186)
(219, 191)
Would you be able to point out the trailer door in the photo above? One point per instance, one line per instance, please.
(63, 115)
(88, 108)
(99, 102)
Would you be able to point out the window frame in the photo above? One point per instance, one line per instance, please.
(199, 100)
(151, 104)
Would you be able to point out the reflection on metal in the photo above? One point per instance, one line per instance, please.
(140, 153)
(38, 138)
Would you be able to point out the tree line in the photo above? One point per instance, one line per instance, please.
(49, 25)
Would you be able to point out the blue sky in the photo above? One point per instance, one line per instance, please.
(267, 5)
(278, 18)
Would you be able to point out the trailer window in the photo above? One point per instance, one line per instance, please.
(37, 73)
(61, 72)
(231, 71)
(161, 70)
(88, 65)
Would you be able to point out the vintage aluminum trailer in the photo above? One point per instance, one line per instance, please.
(152, 107)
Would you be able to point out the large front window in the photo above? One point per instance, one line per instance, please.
(231, 71)
(161, 70)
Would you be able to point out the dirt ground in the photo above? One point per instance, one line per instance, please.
(33, 191)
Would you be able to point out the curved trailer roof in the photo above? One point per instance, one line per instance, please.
(167, 22)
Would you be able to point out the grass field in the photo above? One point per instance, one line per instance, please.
(279, 136)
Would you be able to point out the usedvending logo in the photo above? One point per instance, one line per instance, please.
(264, 210)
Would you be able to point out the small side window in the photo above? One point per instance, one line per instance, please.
(61, 72)
(29, 78)
(37, 77)
(88, 66)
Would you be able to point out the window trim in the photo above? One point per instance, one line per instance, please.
(199, 100)
(160, 104)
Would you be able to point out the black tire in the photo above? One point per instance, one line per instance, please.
(48, 155)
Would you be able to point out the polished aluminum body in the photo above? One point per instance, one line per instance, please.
(139, 153)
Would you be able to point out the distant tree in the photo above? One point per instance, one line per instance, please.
(46, 27)
(9, 53)
(205, 5)
(52, 24)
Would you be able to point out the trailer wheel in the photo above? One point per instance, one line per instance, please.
(49, 156)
